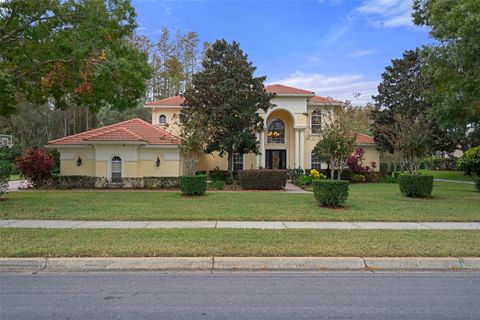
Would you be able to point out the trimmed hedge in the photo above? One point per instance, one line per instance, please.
(217, 174)
(262, 179)
(216, 185)
(161, 182)
(87, 182)
(416, 185)
(193, 185)
(330, 193)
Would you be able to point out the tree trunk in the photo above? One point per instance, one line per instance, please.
(332, 170)
(340, 169)
(230, 163)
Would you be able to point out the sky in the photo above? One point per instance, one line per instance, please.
(334, 47)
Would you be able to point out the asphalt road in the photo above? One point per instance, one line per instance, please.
(354, 295)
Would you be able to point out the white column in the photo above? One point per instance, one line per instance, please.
(302, 149)
(262, 149)
(297, 149)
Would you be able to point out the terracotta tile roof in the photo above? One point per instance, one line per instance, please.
(364, 139)
(318, 99)
(130, 130)
(172, 101)
(282, 89)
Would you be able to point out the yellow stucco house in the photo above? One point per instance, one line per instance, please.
(135, 148)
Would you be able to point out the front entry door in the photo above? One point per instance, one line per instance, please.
(276, 159)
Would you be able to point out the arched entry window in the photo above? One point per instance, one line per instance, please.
(116, 169)
(276, 131)
(162, 119)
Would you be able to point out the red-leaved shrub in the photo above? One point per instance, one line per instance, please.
(35, 165)
(355, 162)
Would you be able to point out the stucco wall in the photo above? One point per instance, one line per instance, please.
(211, 161)
(172, 114)
(170, 165)
(137, 161)
(69, 157)
(372, 154)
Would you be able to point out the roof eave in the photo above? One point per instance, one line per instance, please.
(58, 145)
(294, 95)
(326, 103)
(161, 106)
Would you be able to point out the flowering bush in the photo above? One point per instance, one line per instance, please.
(317, 175)
(36, 165)
(355, 162)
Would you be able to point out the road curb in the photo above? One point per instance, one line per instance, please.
(212, 264)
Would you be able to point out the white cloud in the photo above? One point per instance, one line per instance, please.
(341, 87)
(387, 13)
(360, 53)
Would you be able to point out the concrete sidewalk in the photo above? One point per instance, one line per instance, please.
(71, 224)
(212, 264)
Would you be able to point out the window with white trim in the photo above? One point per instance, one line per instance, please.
(237, 160)
(315, 161)
(116, 169)
(316, 122)
(276, 131)
(162, 119)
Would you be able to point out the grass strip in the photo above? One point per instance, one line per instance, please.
(226, 242)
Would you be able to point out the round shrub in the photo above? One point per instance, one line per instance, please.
(193, 185)
(470, 162)
(4, 176)
(358, 178)
(416, 185)
(330, 193)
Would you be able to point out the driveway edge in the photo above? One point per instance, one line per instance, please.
(210, 264)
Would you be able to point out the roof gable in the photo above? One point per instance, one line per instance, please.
(364, 139)
(324, 100)
(281, 89)
(172, 101)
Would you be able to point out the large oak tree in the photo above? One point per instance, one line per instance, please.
(452, 64)
(70, 52)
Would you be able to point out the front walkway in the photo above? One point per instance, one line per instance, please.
(291, 188)
(70, 224)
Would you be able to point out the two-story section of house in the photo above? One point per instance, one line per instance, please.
(292, 130)
(136, 148)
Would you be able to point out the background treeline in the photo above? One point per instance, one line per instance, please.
(173, 60)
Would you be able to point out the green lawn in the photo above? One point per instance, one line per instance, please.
(14, 177)
(225, 242)
(448, 175)
(367, 202)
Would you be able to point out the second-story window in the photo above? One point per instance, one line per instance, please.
(162, 119)
(276, 131)
(316, 120)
